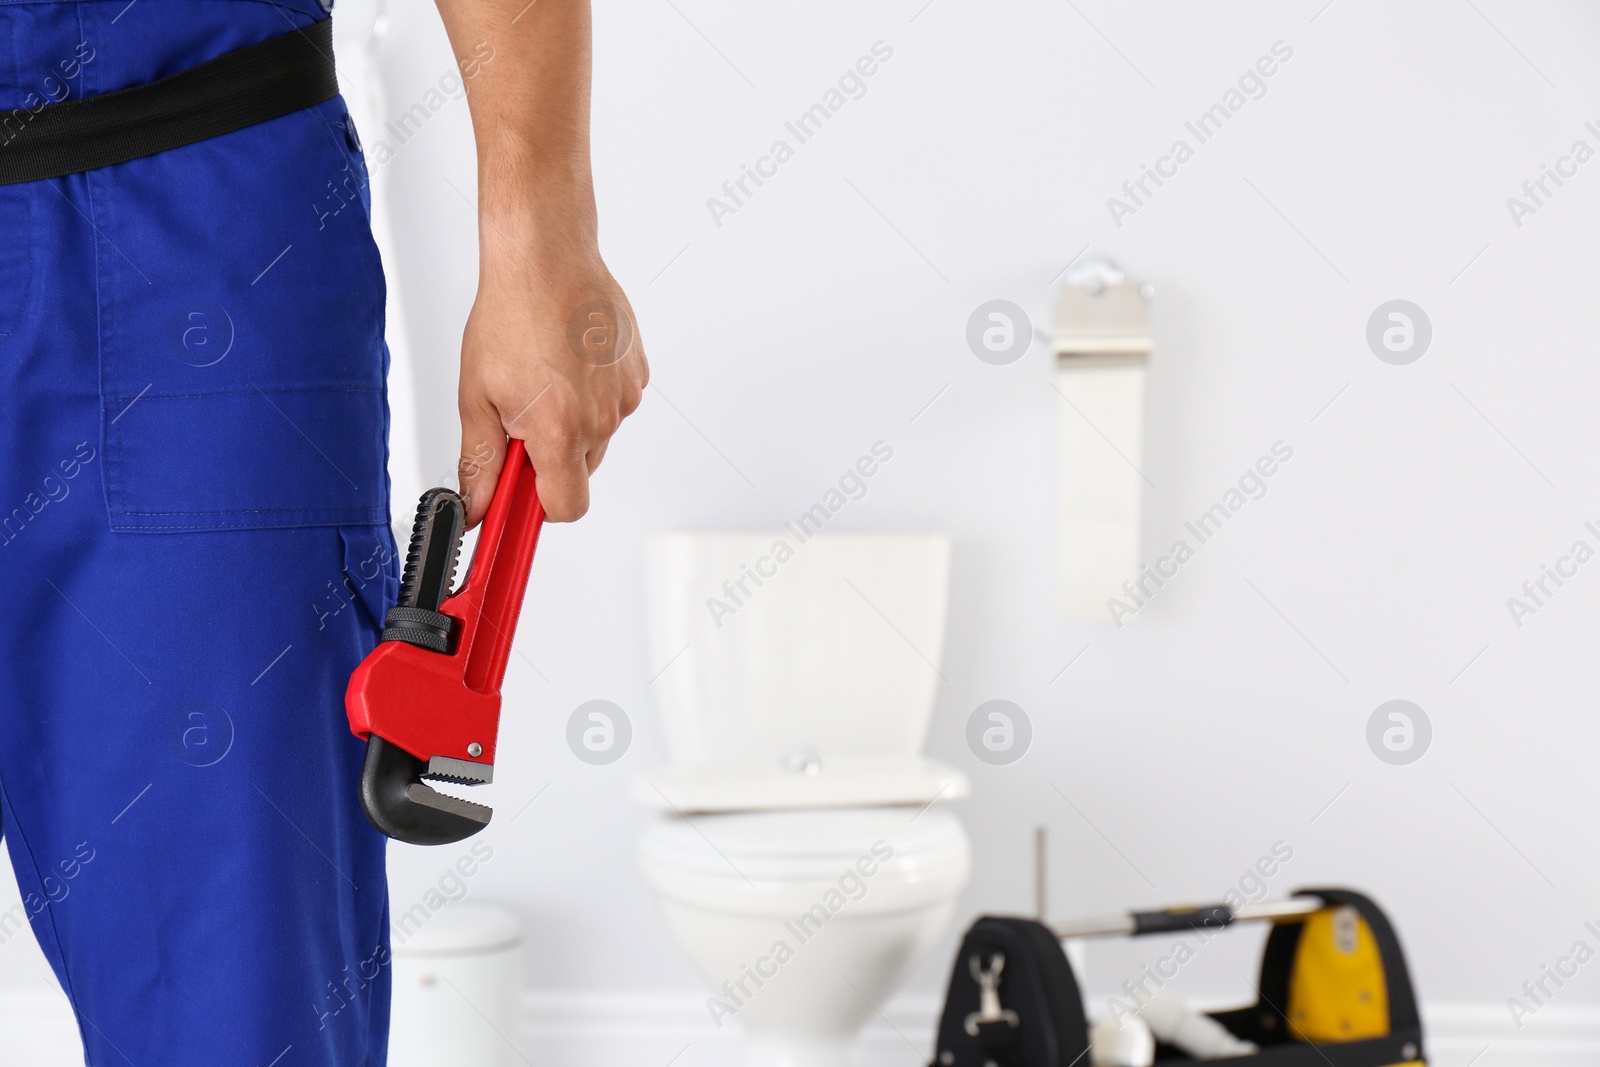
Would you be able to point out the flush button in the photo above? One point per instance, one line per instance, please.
(804, 761)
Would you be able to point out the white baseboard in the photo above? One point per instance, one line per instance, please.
(1558, 1036)
(627, 1029)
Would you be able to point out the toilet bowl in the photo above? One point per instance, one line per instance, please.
(799, 854)
(804, 922)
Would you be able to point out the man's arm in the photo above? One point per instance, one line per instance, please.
(551, 355)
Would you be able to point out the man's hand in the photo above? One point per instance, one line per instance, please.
(551, 354)
(551, 357)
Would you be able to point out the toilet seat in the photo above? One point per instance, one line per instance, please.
(882, 859)
(844, 780)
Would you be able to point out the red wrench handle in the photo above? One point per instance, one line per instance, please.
(490, 599)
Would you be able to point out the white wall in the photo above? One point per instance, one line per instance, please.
(827, 312)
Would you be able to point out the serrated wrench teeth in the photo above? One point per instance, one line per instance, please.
(459, 771)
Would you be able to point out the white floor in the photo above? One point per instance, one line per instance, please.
(563, 1030)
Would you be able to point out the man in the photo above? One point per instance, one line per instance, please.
(194, 511)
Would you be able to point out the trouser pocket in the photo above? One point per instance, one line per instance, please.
(241, 333)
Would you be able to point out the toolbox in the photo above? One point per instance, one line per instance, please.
(1333, 989)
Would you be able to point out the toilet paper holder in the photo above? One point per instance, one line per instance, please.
(1100, 313)
(1103, 341)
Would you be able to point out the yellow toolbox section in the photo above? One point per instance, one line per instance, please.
(1337, 989)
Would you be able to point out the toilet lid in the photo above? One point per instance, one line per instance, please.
(831, 781)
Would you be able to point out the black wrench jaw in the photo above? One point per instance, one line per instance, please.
(401, 806)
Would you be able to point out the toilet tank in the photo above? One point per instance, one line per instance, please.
(771, 645)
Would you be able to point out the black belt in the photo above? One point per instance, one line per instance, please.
(238, 89)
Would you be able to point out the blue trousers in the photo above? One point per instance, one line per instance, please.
(195, 552)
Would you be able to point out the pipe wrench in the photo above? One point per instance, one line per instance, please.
(427, 698)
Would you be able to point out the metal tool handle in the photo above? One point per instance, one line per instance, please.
(1179, 920)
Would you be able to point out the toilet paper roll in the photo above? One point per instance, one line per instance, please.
(1102, 432)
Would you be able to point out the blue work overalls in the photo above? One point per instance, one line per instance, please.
(195, 553)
